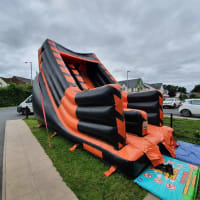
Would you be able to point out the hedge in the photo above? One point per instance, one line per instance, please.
(13, 94)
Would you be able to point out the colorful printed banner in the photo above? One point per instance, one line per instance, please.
(181, 186)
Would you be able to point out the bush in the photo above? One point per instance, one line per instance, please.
(183, 97)
(13, 94)
(193, 96)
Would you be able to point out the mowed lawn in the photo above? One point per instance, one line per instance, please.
(185, 129)
(84, 173)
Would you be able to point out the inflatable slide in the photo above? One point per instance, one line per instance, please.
(83, 102)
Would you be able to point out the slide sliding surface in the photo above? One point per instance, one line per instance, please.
(84, 103)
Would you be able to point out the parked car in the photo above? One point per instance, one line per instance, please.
(190, 107)
(171, 102)
(27, 103)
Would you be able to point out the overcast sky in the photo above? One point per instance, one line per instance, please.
(156, 40)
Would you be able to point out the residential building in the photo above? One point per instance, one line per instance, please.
(132, 85)
(17, 79)
(2, 83)
(157, 86)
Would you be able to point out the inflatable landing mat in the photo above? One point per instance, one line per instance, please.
(188, 152)
(181, 186)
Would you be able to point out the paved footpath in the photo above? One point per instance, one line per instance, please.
(28, 173)
(151, 197)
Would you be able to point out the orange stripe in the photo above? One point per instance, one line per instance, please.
(56, 55)
(52, 43)
(72, 66)
(103, 67)
(121, 127)
(161, 101)
(119, 108)
(84, 86)
(48, 91)
(75, 72)
(161, 114)
(39, 51)
(69, 106)
(124, 98)
(94, 56)
(93, 150)
(70, 121)
(70, 79)
(76, 57)
(112, 78)
(70, 93)
(79, 78)
(107, 72)
(60, 62)
(118, 105)
(65, 70)
(39, 58)
(54, 49)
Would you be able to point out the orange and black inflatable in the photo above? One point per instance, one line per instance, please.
(84, 102)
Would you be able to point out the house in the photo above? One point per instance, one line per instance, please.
(132, 85)
(148, 87)
(2, 83)
(17, 80)
(137, 85)
(157, 86)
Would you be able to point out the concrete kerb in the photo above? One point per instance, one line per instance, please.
(28, 173)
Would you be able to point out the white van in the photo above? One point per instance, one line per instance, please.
(26, 103)
(171, 102)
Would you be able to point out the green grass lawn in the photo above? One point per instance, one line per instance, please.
(83, 172)
(185, 129)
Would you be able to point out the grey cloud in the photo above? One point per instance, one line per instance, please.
(155, 40)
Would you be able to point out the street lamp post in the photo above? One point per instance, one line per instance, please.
(127, 79)
(26, 62)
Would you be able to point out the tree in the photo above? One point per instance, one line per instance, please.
(182, 90)
(13, 94)
(172, 90)
(196, 88)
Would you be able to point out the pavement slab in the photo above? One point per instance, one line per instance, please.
(28, 173)
(151, 197)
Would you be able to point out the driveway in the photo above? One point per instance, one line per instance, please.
(5, 114)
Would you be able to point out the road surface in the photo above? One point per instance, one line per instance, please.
(5, 114)
(174, 111)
